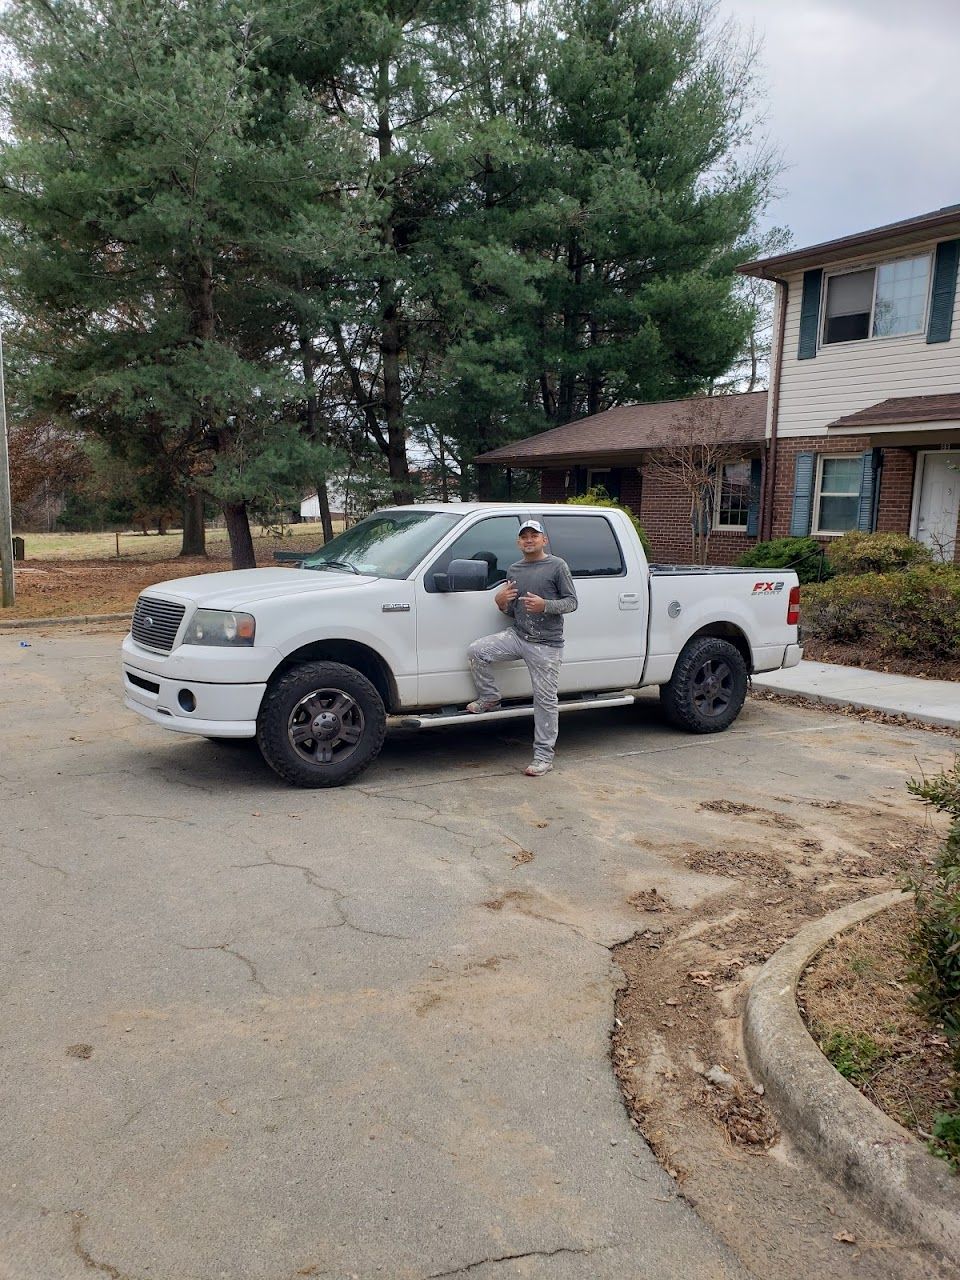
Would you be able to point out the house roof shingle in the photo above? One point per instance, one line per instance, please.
(632, 428)
(891, 235)
(904, 409)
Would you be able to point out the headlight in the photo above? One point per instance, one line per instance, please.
(216, 626)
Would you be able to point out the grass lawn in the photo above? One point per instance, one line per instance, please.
(69, 574)
(152, 546)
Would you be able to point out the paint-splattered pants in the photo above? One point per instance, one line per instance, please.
(543, 662)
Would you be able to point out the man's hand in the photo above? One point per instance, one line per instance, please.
(532, 603)
(506, 594)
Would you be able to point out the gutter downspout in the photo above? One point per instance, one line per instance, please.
(770, 473)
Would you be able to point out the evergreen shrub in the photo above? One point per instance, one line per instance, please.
(913, 613)
(804, 555)
(598, 497)
(877, 553)
(935, 943)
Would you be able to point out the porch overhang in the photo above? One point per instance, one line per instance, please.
(932, 434)
(919, 415)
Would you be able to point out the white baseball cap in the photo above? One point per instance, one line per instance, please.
(535, 525)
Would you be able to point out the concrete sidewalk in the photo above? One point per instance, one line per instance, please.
(929, 701)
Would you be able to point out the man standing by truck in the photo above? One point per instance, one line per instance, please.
(539, 590)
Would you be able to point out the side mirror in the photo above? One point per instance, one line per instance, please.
(467, 575)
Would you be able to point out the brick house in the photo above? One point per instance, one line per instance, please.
(863, 417)
(861, 428)
(617, 449)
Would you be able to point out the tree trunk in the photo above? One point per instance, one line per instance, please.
(393, 401)
(238, 531)
(484, 482)
(594, 378)
(571, 326)
(390, 337)
(326, 520)
(312, 427)
(194, 534)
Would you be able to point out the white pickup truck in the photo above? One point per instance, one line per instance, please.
(312, 660)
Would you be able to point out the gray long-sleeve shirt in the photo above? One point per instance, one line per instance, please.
(551, 579)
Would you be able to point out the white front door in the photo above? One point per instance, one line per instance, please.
(939, 503)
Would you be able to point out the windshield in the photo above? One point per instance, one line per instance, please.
(387, 544)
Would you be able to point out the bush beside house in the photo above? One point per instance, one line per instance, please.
(877, 553)
(598, 497)
(935, 944)
(875, 598)
(804, 555)
(914, 613)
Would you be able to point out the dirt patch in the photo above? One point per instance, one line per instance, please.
(649, 900)
(873, 660)
(677, 1049)
(855, 999)
(766, 817)
(68, 588)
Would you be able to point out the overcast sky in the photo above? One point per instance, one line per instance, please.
(864, 104)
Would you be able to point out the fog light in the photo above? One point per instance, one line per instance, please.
(187, 701)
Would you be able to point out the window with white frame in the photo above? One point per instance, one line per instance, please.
(877, 302)
(732, 499)
(837, 498)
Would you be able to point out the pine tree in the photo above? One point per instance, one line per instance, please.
(141, 182)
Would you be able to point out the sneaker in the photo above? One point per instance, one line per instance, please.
(537, 769)
(481, 705)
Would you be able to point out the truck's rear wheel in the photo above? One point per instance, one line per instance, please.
(321, 724)
(708, 686)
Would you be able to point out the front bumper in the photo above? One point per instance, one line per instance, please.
(219, 710)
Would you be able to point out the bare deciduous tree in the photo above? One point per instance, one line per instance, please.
(706, 439)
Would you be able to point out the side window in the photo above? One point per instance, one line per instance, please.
(493, 540)
(587, 543)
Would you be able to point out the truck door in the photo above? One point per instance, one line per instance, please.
(604, 638)
(448, 622)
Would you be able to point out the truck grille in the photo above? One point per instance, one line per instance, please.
(155, 622)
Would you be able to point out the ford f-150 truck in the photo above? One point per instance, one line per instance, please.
(312, 660)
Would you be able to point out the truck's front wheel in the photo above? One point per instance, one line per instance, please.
(321, 724)
(709, 683)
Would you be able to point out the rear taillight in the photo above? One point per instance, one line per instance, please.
(793, 608)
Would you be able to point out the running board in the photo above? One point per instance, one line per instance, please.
(448, 715)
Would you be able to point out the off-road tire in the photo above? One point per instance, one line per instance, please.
(709, 683)
(297, 701)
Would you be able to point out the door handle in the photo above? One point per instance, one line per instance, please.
(629, 600)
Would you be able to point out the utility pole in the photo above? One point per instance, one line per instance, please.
(6, 515)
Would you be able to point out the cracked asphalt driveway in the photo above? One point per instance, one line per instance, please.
(258, 1033)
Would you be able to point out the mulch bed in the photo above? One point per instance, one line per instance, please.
(874, 660)
(856, 1001)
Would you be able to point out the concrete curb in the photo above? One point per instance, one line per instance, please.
(18, 624)
(858, 704)
(856, 1144)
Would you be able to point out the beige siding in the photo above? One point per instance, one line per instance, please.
(849, 376)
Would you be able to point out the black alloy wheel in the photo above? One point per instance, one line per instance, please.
(321, 724)
(707, 689)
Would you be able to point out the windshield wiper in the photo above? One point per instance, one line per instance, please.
(337, 564)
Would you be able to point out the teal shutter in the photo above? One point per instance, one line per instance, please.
(753, 510)
(944, 290)
(802, 494)
(869, 466)
(810, 314)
